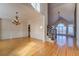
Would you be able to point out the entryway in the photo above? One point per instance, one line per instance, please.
(64, 35)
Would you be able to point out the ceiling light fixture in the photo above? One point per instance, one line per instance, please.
(16, 20)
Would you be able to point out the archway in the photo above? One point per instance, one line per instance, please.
(64, 33)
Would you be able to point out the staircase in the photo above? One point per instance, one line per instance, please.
(51, 32)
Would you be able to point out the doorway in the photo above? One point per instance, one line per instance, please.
(65, 35)
(62, 20)
(29, 30)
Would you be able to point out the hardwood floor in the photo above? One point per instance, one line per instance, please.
(33, 47)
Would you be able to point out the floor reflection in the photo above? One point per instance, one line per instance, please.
(63, 40)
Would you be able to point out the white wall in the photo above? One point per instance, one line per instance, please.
(66, 10)
(7, 13)
(37, 27)
(44, 11)
(0, 28)
(78, 25)
(27, 16)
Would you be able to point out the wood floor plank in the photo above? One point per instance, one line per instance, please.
(33, 47)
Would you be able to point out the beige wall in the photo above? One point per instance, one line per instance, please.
(26, 16)
(66, 11)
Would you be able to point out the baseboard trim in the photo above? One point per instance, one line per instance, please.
(37, 39)
(15, 38)
(23, 38)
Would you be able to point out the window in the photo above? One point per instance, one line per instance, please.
(61, 34)
(36, 6)
(70, 30)
(61, 39)
(61, 29)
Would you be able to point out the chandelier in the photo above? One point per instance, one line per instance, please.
(16, 20)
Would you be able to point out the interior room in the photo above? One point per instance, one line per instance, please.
(39, 29)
